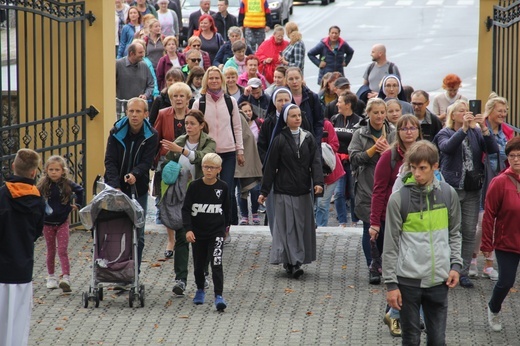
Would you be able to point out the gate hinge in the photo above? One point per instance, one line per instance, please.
(489, 23)
(90, 17)
(91, 112)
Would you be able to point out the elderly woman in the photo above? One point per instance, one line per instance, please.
(269, 53)
(172, 58)
(499, 233)
(331, 54)
(225, 52)
(451, 84)
(294, 53)
(226, 132)
(170, 125)
(495, 113)
(369, 142)
(391, 88)
(461, 145)
(211, 40)
(173, 75)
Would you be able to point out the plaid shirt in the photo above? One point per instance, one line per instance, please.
(295, 54)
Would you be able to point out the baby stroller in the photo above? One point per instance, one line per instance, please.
(113, 218)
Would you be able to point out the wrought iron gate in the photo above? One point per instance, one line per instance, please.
(43, 82)
(506, 50)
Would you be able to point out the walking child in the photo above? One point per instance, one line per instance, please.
(21, 223)
(422, 244)
(62, 196)
(206, 213)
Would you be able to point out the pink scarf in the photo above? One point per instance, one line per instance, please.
(215, 95)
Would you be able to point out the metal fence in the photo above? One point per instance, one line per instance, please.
(43, 78)
(506, 36)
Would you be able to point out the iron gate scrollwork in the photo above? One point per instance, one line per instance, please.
(506, 50)
(43, 80)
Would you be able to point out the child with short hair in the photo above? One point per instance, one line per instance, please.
(62, 196)
(422, 227)
(206, 213)
(21, 223)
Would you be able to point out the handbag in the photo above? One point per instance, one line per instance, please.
(473, 181)
(170, 172)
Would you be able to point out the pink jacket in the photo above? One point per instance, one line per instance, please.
(243, 78)
(332, 140)
(217, 117)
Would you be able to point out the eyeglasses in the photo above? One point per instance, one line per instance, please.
(408, 129)
(391, 86)
(210, 168)
(418, 104)
(195, 45)
(195, 60)
(513, 156)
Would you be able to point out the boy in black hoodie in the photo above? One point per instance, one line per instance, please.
(21, 223)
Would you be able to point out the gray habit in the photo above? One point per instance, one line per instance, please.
(294, 232)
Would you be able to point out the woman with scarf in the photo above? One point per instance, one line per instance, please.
(269, 53)
(292, 167)
(331, 54)
(226, 132)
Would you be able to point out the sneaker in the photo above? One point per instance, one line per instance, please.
(261, 209)
(220, 303)
(199, 297)
(466, 282)
(52, 283)
(393, 324)
(244, 221)
(178, 288)
(494, 320)
(65, 284)
(473, 270)
(490, 273)
(206, 281)
(374, 278)
(256, 220)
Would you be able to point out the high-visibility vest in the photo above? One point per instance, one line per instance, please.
(254, 14)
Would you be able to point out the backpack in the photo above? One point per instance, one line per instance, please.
(229, 104)
(170, 206)
(405, 198)
(390, 68)
(329, 158)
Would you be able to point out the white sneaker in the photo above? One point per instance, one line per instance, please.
(52, 283)
(65, 285)
(490, 273)
(494, 321)
(473, 270)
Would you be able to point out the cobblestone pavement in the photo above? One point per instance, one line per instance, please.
(332, 304)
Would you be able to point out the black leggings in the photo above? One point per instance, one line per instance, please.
(202, 251)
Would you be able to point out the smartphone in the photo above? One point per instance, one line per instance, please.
(475, 106)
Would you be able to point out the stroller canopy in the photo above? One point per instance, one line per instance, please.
(111, 199)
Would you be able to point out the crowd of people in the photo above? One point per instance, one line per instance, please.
(432, 188)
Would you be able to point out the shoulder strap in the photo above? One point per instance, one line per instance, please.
(515, 183)
(229, 105)
(391, 68)
(370, 67)
(405, 198)
(393, 158)
(202, 103)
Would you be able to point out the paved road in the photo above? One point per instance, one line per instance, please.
(332, 304)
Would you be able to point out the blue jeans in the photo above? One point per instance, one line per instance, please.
(340, 202)
(227, 174)
(143, 202)
(323, 204)
(469, 208)
(434, 301)
(507, 266)
(242, 202)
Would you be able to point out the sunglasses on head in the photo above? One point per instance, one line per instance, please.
(195, 60)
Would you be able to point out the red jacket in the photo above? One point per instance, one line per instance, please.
(501, 217)
(164, 65)
(164, 126)
(332, 140)
(270, 49)
(384, 178)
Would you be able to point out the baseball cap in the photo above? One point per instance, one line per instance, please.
(341, 81)
(254, 82)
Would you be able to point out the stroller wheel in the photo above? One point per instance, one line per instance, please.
(96, 298)
(84, 298)
(141, 295)
(100, 293)
(131, 297)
